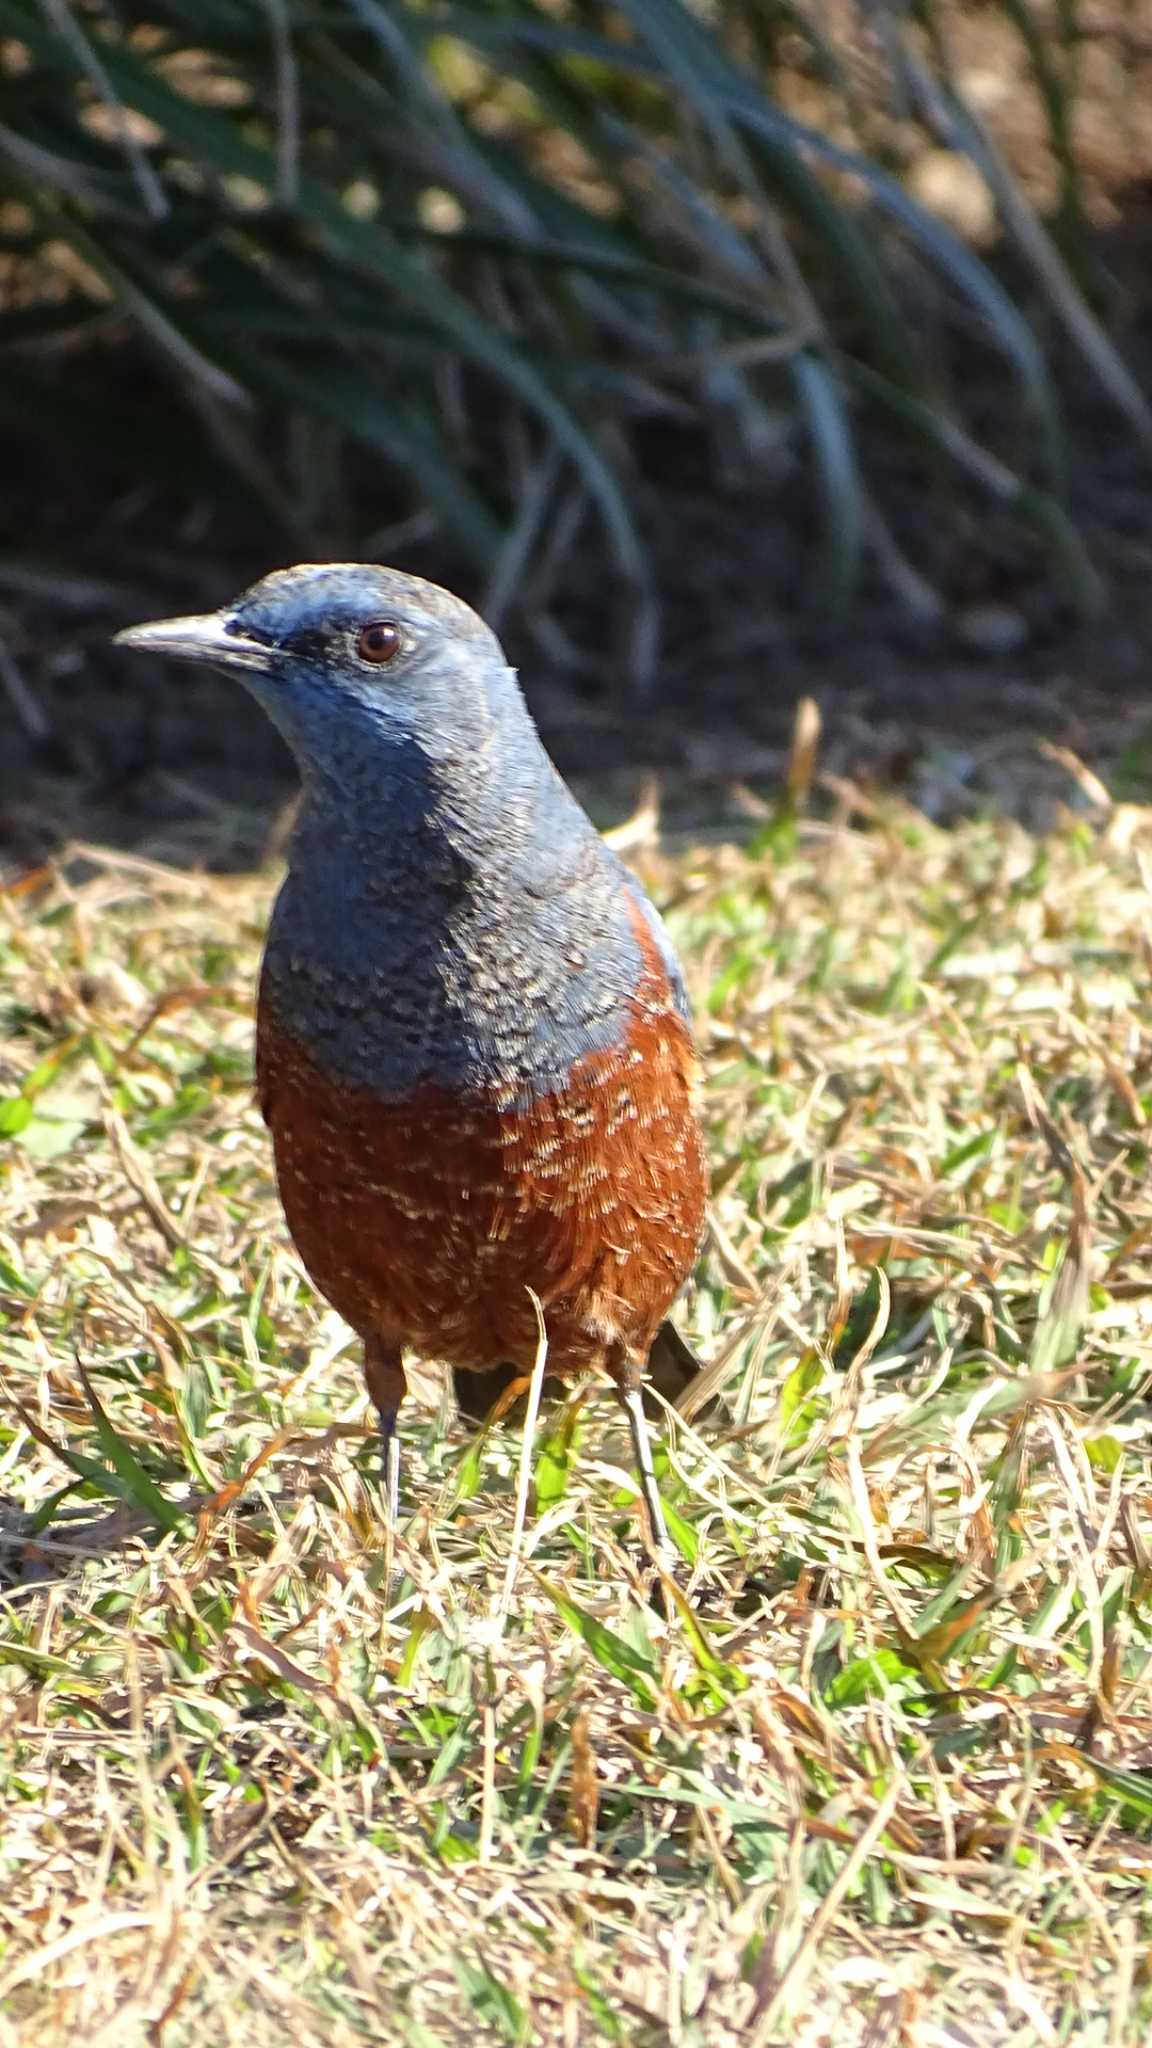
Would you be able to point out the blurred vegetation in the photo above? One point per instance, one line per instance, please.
(508, 252)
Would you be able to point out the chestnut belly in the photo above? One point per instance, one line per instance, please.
(425, 1223)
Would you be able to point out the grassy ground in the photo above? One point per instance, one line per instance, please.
(884, 1776)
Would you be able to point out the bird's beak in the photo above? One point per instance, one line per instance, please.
(210, 637)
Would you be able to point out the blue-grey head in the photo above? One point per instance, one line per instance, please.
(450, 907)
(353, 662)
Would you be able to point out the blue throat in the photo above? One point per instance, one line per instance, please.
(450, 914)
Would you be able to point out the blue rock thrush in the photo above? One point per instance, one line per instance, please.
(473, 1042)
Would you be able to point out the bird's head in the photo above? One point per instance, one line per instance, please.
(348, 657)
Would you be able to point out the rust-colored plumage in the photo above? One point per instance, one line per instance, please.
(425, 1222)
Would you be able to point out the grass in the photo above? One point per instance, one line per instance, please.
(885, 1774)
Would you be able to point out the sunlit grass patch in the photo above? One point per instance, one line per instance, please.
(883, 1773)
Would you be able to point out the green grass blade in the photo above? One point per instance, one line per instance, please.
(141, 1491)
(638, 1673)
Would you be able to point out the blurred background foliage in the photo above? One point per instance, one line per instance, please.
(481, 287)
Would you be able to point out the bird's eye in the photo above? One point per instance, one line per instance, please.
(379, 642)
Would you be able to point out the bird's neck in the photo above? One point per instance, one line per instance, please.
(449, 919)
(389, 822)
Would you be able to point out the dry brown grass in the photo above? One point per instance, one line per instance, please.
(885, 1775)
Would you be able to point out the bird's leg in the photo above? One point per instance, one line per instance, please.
(626, 1373)
(390, 1461)
(387, 1386)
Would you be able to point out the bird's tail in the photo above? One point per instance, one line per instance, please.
(673, 1368)
(672, 1363)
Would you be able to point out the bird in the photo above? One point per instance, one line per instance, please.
(474, 1048)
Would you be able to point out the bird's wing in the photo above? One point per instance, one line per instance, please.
(664, 946)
